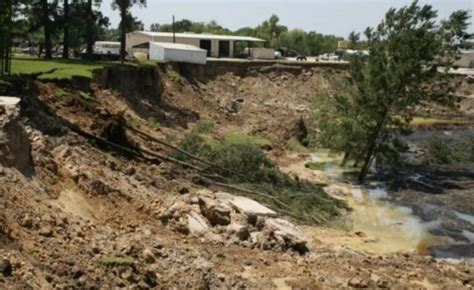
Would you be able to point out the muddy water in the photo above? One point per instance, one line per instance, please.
(389, 228)
(383, 226)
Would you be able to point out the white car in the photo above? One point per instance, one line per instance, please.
(329, 57)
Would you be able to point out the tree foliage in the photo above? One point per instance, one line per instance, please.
(410, 56)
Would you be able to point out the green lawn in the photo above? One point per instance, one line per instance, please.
(66, 68)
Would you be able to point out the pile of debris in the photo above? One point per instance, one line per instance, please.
(223, 217)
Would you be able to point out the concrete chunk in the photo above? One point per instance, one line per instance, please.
(196, 223)
(286, 230)
(9, 101)
(245, 205)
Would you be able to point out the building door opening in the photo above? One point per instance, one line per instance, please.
(205, 44)
(224, 48)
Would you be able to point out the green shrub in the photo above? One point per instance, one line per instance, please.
(245, 138)
(134, 122)
(86, 96)
(295, 146)
(205, 126)
(315, 165)
(252, 169)
(152, 123)
(117, 261)
(61, 94)
(444, 152)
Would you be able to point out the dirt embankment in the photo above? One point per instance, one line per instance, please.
(93, 217)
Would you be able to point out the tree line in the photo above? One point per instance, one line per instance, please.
(71, 23)
(57, 26)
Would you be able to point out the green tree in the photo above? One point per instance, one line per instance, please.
(124, 7)
(407, 51)
(354, 40)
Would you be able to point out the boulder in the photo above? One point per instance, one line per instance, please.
(217, 214)
(196, 223)
(241, 231)
(285, 231)
(245, 205)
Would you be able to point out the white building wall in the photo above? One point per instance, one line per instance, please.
(159, 52)
(135, 38)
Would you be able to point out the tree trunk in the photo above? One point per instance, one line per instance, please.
(89, 30)
(123, 31)
(371, 146)
(47, 30)
(66, 30)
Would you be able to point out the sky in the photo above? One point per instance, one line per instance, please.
(337, 17)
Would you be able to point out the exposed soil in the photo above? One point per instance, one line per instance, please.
(84, 205)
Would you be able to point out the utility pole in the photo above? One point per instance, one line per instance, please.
(174, 32)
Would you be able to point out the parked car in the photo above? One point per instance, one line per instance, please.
(285, 52)
(329, 57)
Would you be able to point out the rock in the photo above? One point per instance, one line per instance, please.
(6, 268)
(245, 205)
(241, 231)
(183, 190)
(148, 256)
(357, 283)
(27, 222)
(98, 187)
(130, 170)
(46, 231)
(286, 231)
(150, 279)
(196, 223)
(360, 234)
(217, 214)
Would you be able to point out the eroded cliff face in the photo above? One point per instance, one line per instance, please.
(14, 143)
(137, 82)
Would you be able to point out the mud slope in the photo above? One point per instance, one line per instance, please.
(87, 215)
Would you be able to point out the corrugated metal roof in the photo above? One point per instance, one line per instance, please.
(178, 46)
(201, 36)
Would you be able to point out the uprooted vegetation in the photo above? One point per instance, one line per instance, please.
(241, 163)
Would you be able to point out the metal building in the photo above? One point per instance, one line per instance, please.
(177, 52)
(216, 45)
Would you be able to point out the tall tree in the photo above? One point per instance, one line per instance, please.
(66, 29)
(124, 7)
(403, 71)
(47, 29)
(6, 27)
(89, 29)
